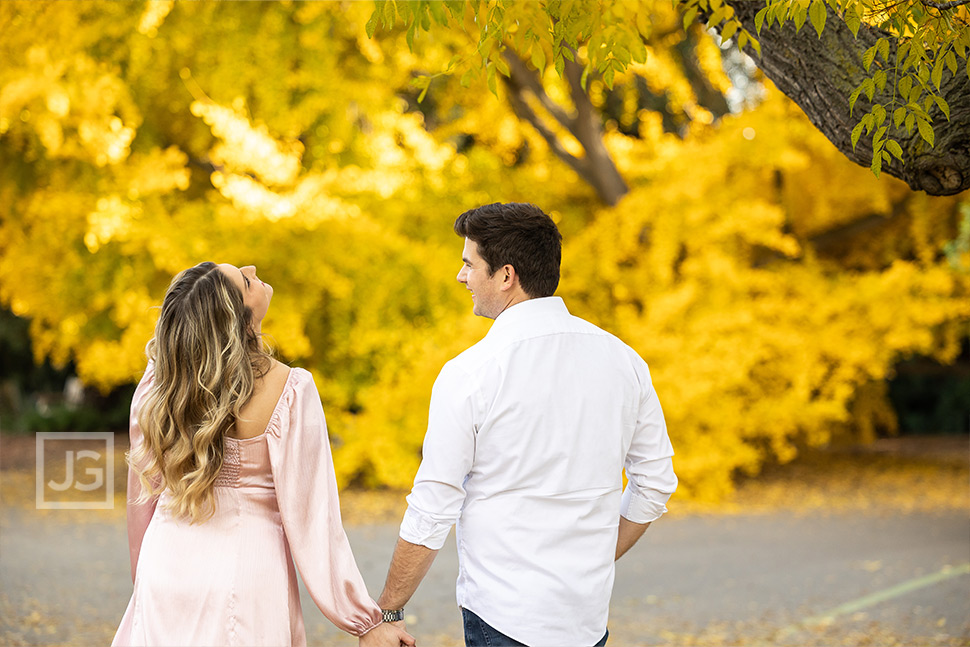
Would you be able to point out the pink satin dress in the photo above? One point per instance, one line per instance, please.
(231, 580)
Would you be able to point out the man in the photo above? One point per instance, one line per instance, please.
(528, 433)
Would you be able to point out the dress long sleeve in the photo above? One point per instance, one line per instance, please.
(306, 490)
(139, 513)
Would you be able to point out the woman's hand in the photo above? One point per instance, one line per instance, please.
(387, 634)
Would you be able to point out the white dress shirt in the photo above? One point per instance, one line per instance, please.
(528, 433)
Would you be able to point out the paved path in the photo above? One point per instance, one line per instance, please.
(721, 581)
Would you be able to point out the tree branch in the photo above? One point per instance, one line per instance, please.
(597, 167)
(522, 109)
(525, 78)
(819, 74)
(953, 4)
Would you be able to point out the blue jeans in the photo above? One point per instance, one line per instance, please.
(478, 633)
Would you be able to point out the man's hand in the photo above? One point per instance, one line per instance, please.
(387, 634)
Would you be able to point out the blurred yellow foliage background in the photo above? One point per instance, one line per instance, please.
(770, 284)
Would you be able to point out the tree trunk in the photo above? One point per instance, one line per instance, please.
(819, 74)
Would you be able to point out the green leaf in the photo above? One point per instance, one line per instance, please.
(917, 109)
(868, 57)
(640, 52)
(538, 57)
(893, 147)
(915, 94)
(467, 77)
(854, 97)
(853, 21)
(643, 24)
(899, 114)
(877, 138)
(409, 36)
(925, 131)
(961, 49)
(729, 29)
(879, 78)
(756, 45)
(608, 77)
(879, 112)
(943, 106)
(560, 64)
(869, 87)
(502, 66)
(876, 165)
(759, 19)
(689, 17)
(490, 78)
(456, 8)
(902, 54)
(371, 27)
(856, 134)
(622, 54)
(937, 76)
(584, 78)
(905, 85)
(438, 13)
(910, 122)
(816, 13)
(742, 39)
(883, 46)
(799, 13)
(716, 17)
(951, 62)
(390, 13)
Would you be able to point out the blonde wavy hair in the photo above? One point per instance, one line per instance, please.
(207, 358)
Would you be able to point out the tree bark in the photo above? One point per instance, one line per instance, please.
(819, 74)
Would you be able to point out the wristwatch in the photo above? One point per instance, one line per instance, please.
(392, 616)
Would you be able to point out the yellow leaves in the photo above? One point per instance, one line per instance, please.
(754, 345)
(111, 220)
(153, 16)
(249, 148)
(158, 171)
(77, 107)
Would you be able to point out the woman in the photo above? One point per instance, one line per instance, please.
(230, 481)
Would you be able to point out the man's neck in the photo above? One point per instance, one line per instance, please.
(514, 299)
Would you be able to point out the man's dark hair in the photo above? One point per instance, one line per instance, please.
(520, 235)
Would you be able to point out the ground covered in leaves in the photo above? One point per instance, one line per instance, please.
(890, 478)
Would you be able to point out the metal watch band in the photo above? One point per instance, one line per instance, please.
(392, 616)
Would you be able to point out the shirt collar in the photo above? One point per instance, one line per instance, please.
(528, 309)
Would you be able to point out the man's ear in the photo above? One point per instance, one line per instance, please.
(509, 277)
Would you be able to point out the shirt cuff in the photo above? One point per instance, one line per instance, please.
(425, 530)
(642, 506)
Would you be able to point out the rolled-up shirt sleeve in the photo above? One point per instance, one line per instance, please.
(648, 463)
(436, 500)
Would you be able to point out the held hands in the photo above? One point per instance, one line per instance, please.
(387, 634)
